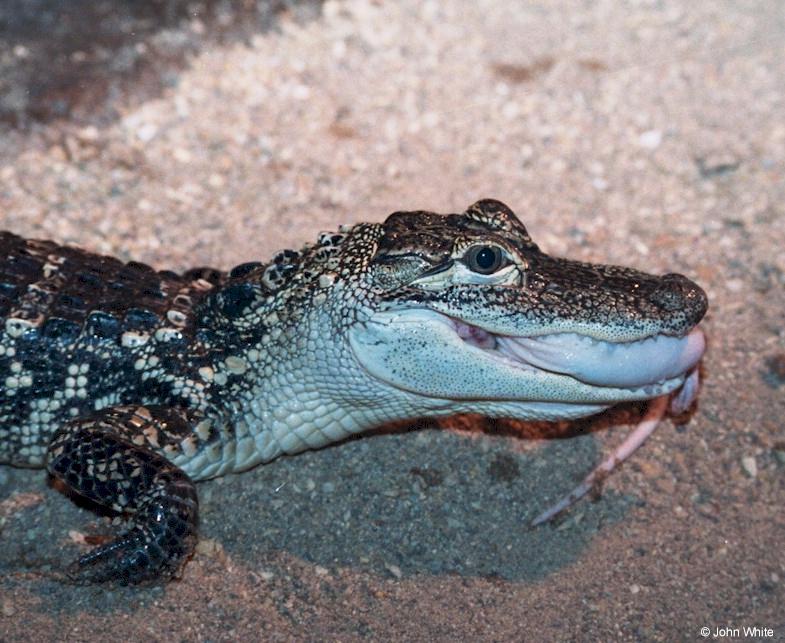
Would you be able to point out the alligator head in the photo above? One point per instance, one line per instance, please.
(468, 315)
(429, 314)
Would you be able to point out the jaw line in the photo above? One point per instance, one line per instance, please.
(456, 338)
(601, 363)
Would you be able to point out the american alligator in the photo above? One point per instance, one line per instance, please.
(129, 384)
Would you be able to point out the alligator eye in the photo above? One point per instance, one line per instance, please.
(484, 259)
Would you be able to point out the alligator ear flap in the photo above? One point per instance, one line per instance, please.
(497, 216)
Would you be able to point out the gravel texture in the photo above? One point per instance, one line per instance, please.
(212, 133)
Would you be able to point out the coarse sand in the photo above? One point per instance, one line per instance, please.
(645, 133)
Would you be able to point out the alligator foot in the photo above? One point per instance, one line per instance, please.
(109, 458)
(676, 404)
(654, 413)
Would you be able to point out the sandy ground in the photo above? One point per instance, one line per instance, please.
(648, 134)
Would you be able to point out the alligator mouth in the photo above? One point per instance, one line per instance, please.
(628, 365)
(444, 358)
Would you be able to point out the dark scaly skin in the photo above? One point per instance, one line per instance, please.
(77, 303)
(103, 459)
(128, 383)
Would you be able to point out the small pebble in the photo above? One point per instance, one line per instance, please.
(749, 465)
(146, 132)
(8, 608)
(650, 139)
(209, 547)
(454, 524)
(182, 155)
(775, 364)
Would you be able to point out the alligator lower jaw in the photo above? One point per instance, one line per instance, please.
(598, 363)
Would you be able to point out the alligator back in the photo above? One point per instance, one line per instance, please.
(73, 325)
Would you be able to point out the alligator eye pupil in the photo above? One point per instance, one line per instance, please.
(484, 259)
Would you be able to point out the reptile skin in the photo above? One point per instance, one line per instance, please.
(128, 384)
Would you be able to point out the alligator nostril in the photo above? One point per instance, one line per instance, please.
(669, 293)
(676, 292)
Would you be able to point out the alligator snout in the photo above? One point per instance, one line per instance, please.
(677, 293)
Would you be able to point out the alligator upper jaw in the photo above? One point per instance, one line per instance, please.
(595, 362)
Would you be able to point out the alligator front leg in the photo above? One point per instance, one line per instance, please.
(113, 458)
